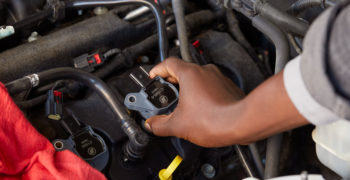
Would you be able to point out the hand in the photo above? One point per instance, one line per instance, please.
(203, 113)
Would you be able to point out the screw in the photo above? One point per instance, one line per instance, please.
(80, 12)
(92, 151)
(208, 171)
(100, 10)
(33, 37)
(145, 59)
(177, 42)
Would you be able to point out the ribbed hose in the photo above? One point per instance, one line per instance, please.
(179, 11)
(301, 5)
(161, 27)
(138, 139)
(286, 21)
(282, 56)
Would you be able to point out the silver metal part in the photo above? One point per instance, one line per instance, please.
(208, 171)
(58, 145)
(34, 79)
(243, 160)
(33, 37)
(144, 70)
(6, 31)
(100, 10)
(136, 80)
(145, 59)
(136, 13)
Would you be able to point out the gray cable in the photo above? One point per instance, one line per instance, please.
(179, 11)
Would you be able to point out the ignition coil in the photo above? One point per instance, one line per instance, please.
(82, 140)
(156, 96)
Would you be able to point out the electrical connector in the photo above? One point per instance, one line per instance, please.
(88, 62)
(54, 107)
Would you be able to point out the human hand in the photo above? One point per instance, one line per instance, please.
(203, 114)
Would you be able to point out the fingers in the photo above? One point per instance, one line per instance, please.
(170, 69)
(159, 125)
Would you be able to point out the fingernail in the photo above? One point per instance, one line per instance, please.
(148, 127)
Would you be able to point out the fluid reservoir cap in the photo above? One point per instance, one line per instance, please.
(167, 174)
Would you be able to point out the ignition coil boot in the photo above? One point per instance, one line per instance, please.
(53, 104)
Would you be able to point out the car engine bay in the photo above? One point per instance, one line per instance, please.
(79, 72)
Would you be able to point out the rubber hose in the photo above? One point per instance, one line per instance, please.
(179, 11)
(161, 27)
(277, 37)
(234, 29)
(273, 150)
(282, 56)
(286, 21)
(301, 5)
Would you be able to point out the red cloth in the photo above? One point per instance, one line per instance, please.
(26, 154)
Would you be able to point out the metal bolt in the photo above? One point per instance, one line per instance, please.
(58, 145)
(208, 171)
(33, 37)
(91, 151)
(80, 12)
(177, 42)
(145, 59)
(100, 10)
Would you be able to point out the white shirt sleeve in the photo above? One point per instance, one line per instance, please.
(307, 106)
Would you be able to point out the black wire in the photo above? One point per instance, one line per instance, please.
(163, 40)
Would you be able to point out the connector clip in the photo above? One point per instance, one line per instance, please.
(54, 107)
(88, 62)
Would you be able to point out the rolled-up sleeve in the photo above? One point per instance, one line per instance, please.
(320, 89)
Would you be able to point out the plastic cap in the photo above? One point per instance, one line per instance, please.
(166, 174)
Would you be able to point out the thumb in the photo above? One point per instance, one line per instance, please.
(159, 125)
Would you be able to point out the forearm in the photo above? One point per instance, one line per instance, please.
(264, 112)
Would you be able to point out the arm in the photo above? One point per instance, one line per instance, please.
(213, 112)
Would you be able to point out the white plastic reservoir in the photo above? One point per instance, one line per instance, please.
(333, 146)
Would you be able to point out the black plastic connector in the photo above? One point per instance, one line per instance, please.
(88, 62)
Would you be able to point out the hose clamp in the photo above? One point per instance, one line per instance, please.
(34, 79)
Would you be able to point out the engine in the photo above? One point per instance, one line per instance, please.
(78, 70)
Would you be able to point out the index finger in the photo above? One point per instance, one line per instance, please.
(169, 69)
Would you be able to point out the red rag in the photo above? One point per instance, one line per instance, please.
(26, 154)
